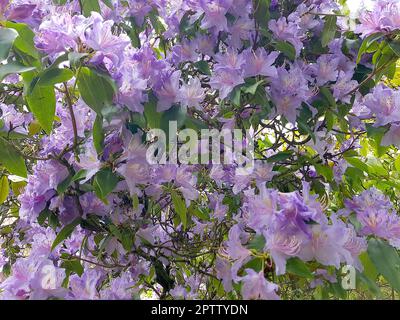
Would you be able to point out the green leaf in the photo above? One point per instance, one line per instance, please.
(96, 90)
(104, 183)
(87, 6)
(63, 186)
(357, 163)
(75, 58)
(386, 260)
(368, 41)
(65, 233)
(98, 134)
(42, 103)
(328, 96)
(156, 22)
(298, 267)
(25, 41)
(153, 118)
(7, 37)
(257, 243)
(251, 88)
(4, 189)
(81, 174)
(50, 77)
(180, 207)
(73, 265)
(11, 159)
(280, 156)
(203, 67)
(369, 268)
(325, 171)
(12, 68)
(286, 48)
(329, 30)
(395, 46)
(262, 14)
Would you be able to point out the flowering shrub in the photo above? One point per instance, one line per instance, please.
(86, 215)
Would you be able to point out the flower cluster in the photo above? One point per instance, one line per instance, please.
(85, 214)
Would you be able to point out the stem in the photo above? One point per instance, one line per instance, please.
(71, 111)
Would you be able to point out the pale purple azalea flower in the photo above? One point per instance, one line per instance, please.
(256, 287)
(225, 80)
(260, 63)
(326, 69)
(100, 38)
(168, 93)
(191, 94)
(392, 137)
(214, 14)
(286, 31)
(85, 287)
(384, 102)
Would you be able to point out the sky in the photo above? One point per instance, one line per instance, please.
(354, 5)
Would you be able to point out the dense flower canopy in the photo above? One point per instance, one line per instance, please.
(85, 214)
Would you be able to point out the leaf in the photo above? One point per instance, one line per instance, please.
(325, 171)
(156, 22)
(104, 183)
(50, 77)
(328, 96)
(357, 163)
(395, 46)
(11, 159)
(280, 156)
(203, 67)
(153, 118)
(180, 207)
(73, 265)
(369, 268)
(98, 134)
(257, 243)
(42, 103)
(262, 14)
(81, 174)
(386, 260)
(252, 88)
(329, 31)
(286, 48)
(25, 41)
(4, 189)
(87, 6)
(12, 68)
(298, 267)
(63, 186)
(65, 233)
(96, 90)
(7, 37)
(367, 43)
(75, 58)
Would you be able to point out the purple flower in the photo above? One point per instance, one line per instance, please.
(85, 287)
(100, 38)
(288, 90)
(385, 104)
(225, 80)
(392, 137)
(282, 247)
(326, 69)
(256, 287)
(191, 94)
(214, 14)
(260, 63)
(168, 92)
(286, 31)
